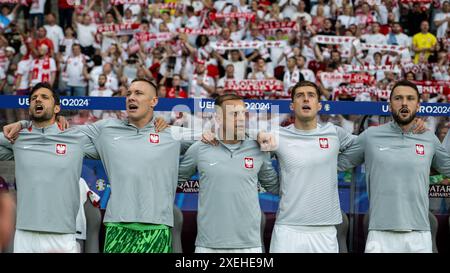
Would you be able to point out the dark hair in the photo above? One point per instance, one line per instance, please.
(97, 60)
(198, 41)
(190, 9)
(223, 98)
(152, 84)
(377, 53)
(45, 85)
(303, 84)
(405, 83)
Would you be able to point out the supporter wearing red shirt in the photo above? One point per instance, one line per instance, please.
(41, 39)
(174, 90)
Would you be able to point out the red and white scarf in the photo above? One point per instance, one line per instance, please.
(371, 68)
(146, 37)
(239, 15)
(390, 48)
(253, 87)
(332, 40)
(352, 78)
(198, 31)
(433, 87)
(137, 2)
(247, 44)
(120, 29)
(277, 25)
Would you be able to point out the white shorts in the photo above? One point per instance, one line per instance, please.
(42, 242)
(302, 239)
(399, 242)
(200, 249)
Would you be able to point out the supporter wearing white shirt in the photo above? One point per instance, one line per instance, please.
(229, 75)
(192, 21)
(396, 37)
(240, 66)
(277, 52)
(86, 32)
(111, 78)
(308, 74)
(54, 31)
(347, 18)
(442, 19)
(100, 91)
(291, 75)
(302, 13)
(95, 72)
(375, 37)
(259, 71)
(288, 7)
(22, 76)
(200, 84)
(134, 8)
(326, 9)
(66, 43)
(75, 71)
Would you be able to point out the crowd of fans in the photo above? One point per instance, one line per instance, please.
(354, 50)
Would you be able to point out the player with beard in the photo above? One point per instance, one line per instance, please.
(397, 175)
(48, 167)
(139, 213)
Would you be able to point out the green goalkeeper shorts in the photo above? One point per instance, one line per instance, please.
(137, 238)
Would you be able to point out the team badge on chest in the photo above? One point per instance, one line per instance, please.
(248, 162)
(420, 149)
(154, 138)
(61, 149)
(323, 142)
